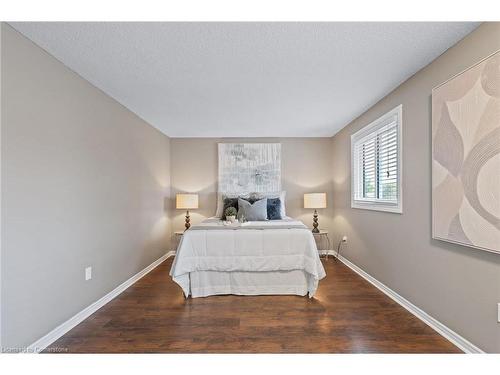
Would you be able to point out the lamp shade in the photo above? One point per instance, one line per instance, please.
(186, 201)
(315, 200)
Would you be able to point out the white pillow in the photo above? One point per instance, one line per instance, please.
(277, 194)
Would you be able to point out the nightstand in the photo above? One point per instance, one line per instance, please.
(322, 242)
(177, 238)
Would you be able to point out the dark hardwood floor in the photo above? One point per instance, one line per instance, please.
(347, 315)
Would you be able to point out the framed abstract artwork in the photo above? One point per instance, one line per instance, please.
(466, 157)
(249, 167)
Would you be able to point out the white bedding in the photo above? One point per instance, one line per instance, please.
(271, 257)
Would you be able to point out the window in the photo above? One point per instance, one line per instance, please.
(377, 165)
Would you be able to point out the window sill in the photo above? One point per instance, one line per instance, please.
(375, 206)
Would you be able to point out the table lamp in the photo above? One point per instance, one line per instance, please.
(186, 202)
(315, 200)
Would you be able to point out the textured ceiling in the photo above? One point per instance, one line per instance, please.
(246, 79)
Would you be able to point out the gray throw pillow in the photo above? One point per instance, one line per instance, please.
(252, 212)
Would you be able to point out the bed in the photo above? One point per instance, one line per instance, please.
(254, 258)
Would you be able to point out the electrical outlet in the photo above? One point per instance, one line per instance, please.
(88, 273)
(344, 239)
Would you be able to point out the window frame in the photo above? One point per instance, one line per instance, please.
(361, 135)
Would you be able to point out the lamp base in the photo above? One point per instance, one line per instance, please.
(187, 224)
(315, 222)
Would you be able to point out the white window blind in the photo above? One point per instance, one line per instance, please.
(377, 165)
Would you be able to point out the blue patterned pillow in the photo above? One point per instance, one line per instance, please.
(274, 209)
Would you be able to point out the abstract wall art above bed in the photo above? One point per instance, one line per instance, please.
(466, 157)
(249, 167)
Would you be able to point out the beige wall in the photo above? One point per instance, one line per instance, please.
(85, 182)
(457, 285)
(305, 167)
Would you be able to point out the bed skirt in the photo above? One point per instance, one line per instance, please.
(209, 283)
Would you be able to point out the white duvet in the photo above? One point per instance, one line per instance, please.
(278, 245)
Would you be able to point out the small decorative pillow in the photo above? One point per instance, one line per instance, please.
(254, 197)
(252, 200)
(252, 212)
(274, 209)
(229, 202)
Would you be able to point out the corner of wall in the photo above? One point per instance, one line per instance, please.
(169, 210)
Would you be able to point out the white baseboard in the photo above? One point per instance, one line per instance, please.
(59, 331)
(327, 252)
(463, 344)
